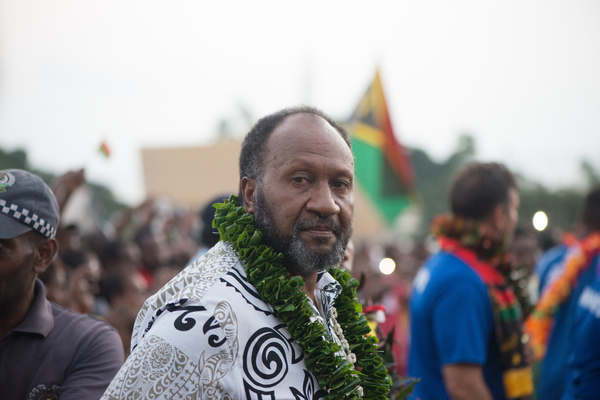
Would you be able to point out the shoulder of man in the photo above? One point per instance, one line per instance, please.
(196, 350)
(446, 267)
(550, 265)
(75, 322)
(192, 283)
(549, 258)
(88, 348)
(81, 330)
(443, 273)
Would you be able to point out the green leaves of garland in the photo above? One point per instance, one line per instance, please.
(375, 379)
(368, 378)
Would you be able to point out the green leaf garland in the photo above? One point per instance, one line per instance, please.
(368, 377)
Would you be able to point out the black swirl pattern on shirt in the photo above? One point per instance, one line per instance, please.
(183, 322)
(217, 339)
(266, 358)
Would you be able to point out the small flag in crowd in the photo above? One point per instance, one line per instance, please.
(383, 167)
(104, 149)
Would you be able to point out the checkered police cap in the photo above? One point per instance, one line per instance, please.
(26, 203)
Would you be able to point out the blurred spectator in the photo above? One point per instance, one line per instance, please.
(125, 289)
(348, 261)
(208, 235)
(391, 291)
(366, 270)
(69, 239)
(123, 320)
(525, 252)
(550, 237)
(94, 241)
(83, 275)
(155, 254)
(564, 272)
(55, 281)
(179, 229)
(119, 255)
(395, 300)
(125, 292)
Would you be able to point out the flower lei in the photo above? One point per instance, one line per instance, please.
(472, 235)
(367, 377)
(539, 324)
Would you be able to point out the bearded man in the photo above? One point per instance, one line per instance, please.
(258, 316)
(466, 322)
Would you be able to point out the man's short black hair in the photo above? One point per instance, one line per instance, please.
(590, 216)
(478, 188)
(253, 147)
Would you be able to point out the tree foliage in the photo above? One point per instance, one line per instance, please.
(13, 159)
(593, 177)
(434, 178)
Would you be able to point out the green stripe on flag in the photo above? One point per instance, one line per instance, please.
(370, 167)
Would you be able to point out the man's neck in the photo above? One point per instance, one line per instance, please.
(310, 279)
(12, 315)
(310, 283)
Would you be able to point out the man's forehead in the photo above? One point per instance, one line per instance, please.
(312, 161)
(298, 128)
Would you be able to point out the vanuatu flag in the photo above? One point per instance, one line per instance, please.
(382, 165)
(104, 149)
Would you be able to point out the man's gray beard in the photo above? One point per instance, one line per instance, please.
(297, 253)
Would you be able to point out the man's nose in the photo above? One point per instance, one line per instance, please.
(322, 200)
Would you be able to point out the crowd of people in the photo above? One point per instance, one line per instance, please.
(110, 272)
(157, 306)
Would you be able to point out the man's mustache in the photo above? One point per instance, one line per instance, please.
(320, 223)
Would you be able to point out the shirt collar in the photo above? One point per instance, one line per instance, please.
(39, 319)
(326, 291)
(327, 283)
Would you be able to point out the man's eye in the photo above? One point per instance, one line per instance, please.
(341, 184)
(299, 179)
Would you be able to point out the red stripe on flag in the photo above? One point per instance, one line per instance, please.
(104, 149)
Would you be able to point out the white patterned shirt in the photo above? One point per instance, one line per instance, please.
(207, 335)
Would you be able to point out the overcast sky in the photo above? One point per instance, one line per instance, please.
(522, 76)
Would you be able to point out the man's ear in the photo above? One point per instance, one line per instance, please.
(46, 250)
(248, 186)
